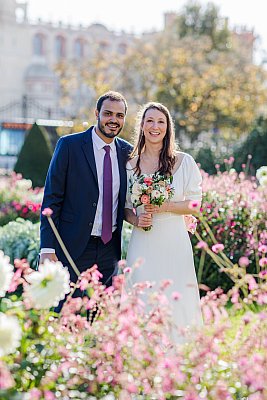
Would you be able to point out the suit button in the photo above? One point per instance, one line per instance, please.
(90, 223)
(94, 204)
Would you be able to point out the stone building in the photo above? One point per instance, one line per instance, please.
(29, 52)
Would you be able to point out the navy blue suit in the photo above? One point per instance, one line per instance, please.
(71, 191)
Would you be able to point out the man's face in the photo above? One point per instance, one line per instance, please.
(110, 119)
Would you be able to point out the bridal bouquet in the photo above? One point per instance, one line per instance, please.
(151, 189)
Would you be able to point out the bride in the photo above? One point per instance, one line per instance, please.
(166, 248)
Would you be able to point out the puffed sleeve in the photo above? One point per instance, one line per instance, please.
(192, 179)
(128, 203)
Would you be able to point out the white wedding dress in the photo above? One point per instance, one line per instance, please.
(166, 249)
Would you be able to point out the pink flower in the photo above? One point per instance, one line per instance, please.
(176, 295)
(252, 284)
(48, 395)
(132, 388)
(194, 204)
(216, 248)
(35, 394)
(262, 248)
(148, 180)
(243, 261)
(127, 270)
(47, 212)
(145, 199)
(263, 274)
(263, 262)
(202, 245)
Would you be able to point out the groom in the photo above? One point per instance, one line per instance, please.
(86, 189)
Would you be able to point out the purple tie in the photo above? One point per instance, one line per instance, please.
(107, 198)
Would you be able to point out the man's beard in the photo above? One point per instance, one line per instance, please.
(108, 135)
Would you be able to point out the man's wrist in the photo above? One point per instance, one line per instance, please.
(135, 221)
(47, 250)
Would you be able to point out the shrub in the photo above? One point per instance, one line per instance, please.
(20, 239)
(35, 155)
(255, 146)
(205, 158)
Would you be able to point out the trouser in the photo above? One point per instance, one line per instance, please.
(105, 256)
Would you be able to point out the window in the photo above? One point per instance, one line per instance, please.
(78, 48)
(60, 47)
(38, 44)
(11, 141)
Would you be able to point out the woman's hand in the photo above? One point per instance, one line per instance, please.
(144, 220)
(154, 209)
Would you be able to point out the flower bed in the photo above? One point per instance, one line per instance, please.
(18, 199)
(127, 353)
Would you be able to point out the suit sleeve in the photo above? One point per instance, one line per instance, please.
(54, 192)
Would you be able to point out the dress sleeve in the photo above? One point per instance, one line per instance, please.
(128, 203)
(193, 180)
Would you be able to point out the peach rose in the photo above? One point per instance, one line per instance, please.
(145, 199)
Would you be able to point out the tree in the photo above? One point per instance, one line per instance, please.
(197, 20)
(35, 156)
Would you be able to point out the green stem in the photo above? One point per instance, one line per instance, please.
(63, 247)
(201, 265)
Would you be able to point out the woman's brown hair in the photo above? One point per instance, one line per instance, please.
(167, 153)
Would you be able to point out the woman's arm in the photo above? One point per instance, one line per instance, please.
(184, 207)
(142, 221)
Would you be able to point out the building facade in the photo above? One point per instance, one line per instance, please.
(29, 52)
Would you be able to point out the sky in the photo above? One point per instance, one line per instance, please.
(139, 16)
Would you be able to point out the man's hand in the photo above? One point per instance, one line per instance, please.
(49, 256)
(144, 220)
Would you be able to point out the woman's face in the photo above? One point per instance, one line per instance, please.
(154, 126)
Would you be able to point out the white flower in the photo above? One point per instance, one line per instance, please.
(134, 198)
(262, 171)
(109, 396)
(136, 188)
(47, 286)
(10, 334)
(6, 273)
(263, 180)
(24, 184)
(155, 194)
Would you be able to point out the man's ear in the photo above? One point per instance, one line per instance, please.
(96, 113)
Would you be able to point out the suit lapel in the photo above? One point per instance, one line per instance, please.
(122, 171)
(88, 150)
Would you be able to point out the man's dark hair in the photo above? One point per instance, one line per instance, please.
(113, 96)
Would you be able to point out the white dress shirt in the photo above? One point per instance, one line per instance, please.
(99, 153)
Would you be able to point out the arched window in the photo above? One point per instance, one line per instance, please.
(60, 47)
(38, 44)
(103, 46)
(78, 48)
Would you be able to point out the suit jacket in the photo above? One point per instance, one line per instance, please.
(71, 191)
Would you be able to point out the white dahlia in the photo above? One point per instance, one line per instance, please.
(263, 180)
(6, 273)
(47, 286)
(10, 334)
(261, 172)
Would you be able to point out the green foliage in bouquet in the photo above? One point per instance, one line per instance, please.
(35, 156)
(20, 239)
